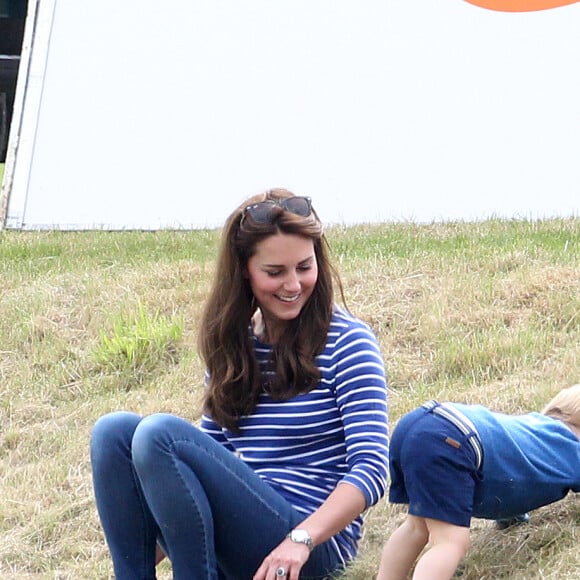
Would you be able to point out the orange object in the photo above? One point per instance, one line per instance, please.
(520, 5)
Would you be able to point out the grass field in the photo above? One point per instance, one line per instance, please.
(97, 321)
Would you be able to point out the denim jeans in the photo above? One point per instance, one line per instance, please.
(160, 478)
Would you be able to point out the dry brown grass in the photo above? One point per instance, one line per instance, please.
(473, 312)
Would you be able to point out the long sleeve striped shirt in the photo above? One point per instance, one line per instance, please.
(336, 433)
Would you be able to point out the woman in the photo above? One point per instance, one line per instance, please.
(451, 462)
(293, 444)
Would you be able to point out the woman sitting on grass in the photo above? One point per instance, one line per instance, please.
(450, 462)
(293, 443)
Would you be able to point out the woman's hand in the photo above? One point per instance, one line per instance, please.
(288, 556)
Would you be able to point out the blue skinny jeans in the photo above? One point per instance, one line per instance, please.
(161, 479)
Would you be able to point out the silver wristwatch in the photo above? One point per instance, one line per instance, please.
(301, 537)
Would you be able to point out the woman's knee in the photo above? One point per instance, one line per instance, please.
(116, 426)
(157, 433)
(111, 439)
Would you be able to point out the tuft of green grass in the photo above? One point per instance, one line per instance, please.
(137, 343)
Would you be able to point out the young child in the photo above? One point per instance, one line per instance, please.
(450, 462)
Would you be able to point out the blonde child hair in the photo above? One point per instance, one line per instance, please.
(565, 406)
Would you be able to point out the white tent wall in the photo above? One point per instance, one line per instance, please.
(26, 109)
(148, 115)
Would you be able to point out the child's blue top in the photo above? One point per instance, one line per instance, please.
(529, 461)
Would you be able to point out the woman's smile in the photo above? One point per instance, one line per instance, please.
(282, 274)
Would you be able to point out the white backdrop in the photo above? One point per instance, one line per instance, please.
(152, 114)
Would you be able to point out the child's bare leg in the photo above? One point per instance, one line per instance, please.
(402, 548)
(448, 545)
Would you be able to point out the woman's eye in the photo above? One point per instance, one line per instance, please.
(304, 268)
(273, 274)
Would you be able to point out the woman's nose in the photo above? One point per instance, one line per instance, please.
(292, 282)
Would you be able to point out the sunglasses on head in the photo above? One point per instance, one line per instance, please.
(262, 212)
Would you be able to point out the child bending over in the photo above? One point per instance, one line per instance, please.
(450, 462)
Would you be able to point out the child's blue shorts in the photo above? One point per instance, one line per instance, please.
(434, 468)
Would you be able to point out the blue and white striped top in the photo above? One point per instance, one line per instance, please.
(336, 433)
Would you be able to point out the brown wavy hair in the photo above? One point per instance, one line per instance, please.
(225, 343)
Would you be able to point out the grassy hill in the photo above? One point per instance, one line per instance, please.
(483, 312)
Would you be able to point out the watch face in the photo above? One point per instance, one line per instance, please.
(301, 536)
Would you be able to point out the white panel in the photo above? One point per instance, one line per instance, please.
(27, 102)
(166, 114)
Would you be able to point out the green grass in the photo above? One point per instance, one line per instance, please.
(96, 321)
(136, 344)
